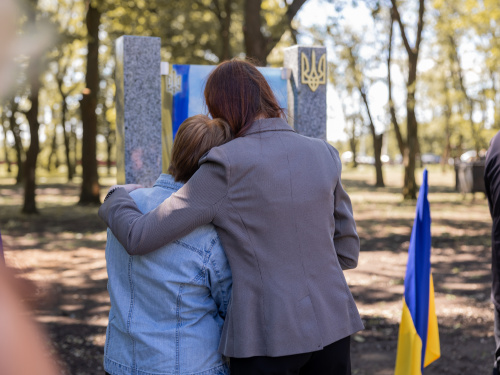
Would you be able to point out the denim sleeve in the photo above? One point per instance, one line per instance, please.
(195, 204)
(345, 238)
(220, 280)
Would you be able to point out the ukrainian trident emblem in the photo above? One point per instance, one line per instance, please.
(174, 83)
(313, 75)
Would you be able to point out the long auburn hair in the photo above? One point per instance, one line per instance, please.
(238, 93)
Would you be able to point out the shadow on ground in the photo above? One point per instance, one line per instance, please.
(463, 345)
(62, 250)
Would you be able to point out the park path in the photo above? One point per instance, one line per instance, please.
(62, 251)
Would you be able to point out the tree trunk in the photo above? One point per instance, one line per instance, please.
(225, 24)
(475, 133)
(66, 134)
(110, 136)
(18, 144)
(110, 141)
(73, 145)
(447, 132)
(29, 206)
(69, 164)
(481, 144)
(354, 154)
(377, 142)
(6, 146)
(353, 143)
(257, 45)
(392, 109)
(90, 180)
(470, 102)
(410, 184)
(222, 9)
(255, 42)
(53, 151)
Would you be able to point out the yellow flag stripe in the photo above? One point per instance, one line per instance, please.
(408, 359)
(432, 349)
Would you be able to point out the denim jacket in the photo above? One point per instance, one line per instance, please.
(167, 307)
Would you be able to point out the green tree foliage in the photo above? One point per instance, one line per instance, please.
(450, 76)
(464, 28)
(195, 32)
(64, 79)
(69, 98)
(453, 91)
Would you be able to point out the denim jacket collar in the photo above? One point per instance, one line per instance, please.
(167, 181)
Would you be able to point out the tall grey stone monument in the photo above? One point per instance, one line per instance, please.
(138, 110)
(307, 90)
(141, 100)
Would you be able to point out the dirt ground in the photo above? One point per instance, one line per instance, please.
(62, 251)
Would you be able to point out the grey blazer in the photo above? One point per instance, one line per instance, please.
(286, 223)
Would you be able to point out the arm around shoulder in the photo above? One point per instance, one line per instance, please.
(195, 204)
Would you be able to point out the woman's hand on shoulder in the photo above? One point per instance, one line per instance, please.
(128, 187)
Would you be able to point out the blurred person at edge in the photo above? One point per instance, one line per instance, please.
(286, 224)
(23, 349)
(492, 184)
(9, 14)
(32, 42)
(168, 307)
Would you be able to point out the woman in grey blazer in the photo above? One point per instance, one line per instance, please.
(286, 224)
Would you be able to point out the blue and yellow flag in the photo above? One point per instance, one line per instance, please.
(418, 341)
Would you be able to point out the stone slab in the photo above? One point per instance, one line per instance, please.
(307, 89)
(138, 110)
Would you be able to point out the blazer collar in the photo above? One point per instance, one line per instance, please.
(268, 125)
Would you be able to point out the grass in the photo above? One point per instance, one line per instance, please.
(62, 251)
(461, 257)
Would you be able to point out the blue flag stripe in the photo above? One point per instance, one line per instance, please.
(418, 269)
(181, 99)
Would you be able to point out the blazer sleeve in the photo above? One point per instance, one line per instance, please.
(195, 204)
(345, 238)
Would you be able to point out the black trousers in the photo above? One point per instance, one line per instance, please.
(334, 359)
(497, 338)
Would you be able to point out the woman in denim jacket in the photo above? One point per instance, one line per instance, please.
(168, 307)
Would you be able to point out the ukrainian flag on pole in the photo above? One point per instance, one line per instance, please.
(418, 341)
